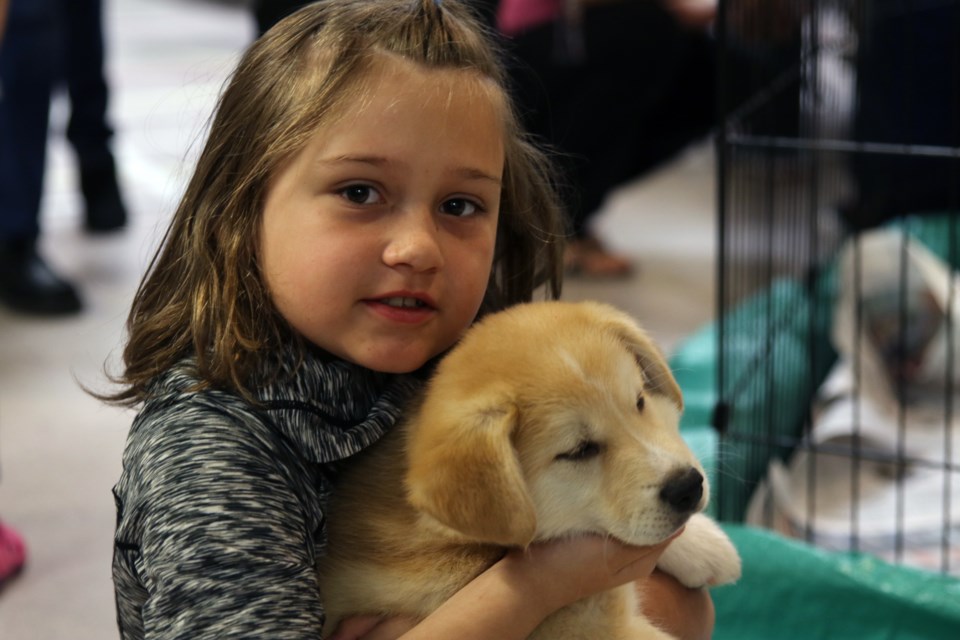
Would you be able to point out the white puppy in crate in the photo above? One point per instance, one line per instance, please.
(547, 420)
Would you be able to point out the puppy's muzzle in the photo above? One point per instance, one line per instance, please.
(683, 490)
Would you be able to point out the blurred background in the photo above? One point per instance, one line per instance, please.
(796, 261)
(60, 449)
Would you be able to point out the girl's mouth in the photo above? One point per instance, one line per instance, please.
(404, 303)
(404, 308)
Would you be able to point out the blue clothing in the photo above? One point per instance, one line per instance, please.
(46, 43)
(220, 506)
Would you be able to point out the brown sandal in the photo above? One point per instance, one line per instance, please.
(587, 257)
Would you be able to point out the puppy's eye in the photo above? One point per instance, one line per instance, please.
(640, 402)
(584, 451)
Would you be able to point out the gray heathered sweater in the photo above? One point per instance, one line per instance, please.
(220, 506)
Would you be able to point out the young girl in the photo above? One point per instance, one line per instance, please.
(363, 196)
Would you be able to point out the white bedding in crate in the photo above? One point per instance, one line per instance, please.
(874, 474)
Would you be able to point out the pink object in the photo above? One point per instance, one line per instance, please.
(516, 16)
(13, 554)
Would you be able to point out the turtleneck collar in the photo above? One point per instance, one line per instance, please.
(328, 408)
(333, 409)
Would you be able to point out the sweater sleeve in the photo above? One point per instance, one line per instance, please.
(216, 536)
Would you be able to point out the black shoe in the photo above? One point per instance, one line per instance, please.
(28, 285)
(105, 210)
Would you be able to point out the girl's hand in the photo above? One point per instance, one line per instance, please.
(372, 628)
(564, 571)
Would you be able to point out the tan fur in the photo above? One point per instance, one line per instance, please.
(475, 469)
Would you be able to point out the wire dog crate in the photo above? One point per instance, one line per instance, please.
(839, 347)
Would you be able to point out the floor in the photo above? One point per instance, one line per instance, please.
(60, 449)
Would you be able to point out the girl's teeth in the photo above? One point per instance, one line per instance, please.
(402, 302)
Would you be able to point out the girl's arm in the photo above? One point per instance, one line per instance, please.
(214, 535)
(511, 598)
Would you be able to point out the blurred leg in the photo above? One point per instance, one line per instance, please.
(88, 130)
(268, 12)
(27, 74)
(28, 70)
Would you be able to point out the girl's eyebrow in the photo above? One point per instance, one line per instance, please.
(471, 173)
(374, 160)
(468, 172)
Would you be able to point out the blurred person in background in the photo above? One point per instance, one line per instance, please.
(616, 87)
(49, 43)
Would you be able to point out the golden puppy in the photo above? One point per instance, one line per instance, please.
(547, 420)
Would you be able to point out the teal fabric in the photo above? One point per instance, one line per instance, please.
(791, 591)
(939, 233)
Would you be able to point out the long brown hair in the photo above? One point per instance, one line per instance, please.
(204, 294)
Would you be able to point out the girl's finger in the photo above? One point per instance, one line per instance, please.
(390, 628)
(355, 627)
(647, 553)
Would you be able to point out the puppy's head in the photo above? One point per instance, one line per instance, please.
(551, 419)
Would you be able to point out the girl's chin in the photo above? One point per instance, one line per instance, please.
(392, 362)
(395, 369)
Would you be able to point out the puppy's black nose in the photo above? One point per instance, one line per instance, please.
(683, 490)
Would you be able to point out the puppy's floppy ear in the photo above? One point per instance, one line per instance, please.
(464, 472)
(654, 366)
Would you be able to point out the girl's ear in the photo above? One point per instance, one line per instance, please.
(464, 472)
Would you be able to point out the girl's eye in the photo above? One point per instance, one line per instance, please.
(460, 207)
(361, 194)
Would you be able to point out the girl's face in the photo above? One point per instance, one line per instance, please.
(378, 238)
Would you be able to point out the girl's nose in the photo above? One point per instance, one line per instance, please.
(414, 242)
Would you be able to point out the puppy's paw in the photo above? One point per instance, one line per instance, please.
(702, 556)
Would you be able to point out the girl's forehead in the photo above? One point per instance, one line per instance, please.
(387, 86)
(390, 74)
